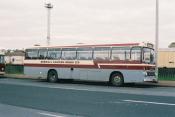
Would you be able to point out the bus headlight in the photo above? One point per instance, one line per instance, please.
(145, 73)
(2, 69)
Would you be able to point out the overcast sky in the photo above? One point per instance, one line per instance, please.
(23, 22)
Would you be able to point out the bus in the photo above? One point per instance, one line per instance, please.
(113, 63)
(2, 62)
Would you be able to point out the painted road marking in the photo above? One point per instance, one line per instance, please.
(146, 102)
(166, 92)
(51, 115)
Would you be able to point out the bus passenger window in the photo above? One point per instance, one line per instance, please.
(31, 54)
(120, 53)
(102, 53)
(136, 53)
(68, 54)
(54, 54)
(84, 53)
(42, 54)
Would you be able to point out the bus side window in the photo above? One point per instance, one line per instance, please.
(102, 53)
(136, 54)
(68, 54)
(31, 54)
(84, 53)
(42, 54)
(120, 53)
(54, 54)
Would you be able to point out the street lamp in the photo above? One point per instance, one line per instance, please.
(49, 6)
(157, 36)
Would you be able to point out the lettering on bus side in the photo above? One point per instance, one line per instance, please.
(77, 62)
(60, 62)
(69, 62)
(46, 61)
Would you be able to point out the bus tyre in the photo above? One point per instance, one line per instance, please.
(117, 79)
(52, 76)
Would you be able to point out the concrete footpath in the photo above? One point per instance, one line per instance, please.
(162, 83)
(166, 83)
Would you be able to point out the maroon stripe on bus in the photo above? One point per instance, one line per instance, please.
(134, 67)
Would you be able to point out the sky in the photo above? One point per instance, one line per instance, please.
(23, 23)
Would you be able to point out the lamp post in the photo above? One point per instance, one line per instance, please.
(157, 37)
(49, 6)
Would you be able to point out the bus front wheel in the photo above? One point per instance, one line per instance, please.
(52, 76)
(117, 79)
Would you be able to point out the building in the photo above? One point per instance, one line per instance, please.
(172, 45)
(15, 57)
(166, 63)
(14, 61)
(166, 58)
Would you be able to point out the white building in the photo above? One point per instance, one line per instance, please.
(15, 57)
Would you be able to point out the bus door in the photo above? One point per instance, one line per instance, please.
(69, 73)
(83, 74)
(100, 55)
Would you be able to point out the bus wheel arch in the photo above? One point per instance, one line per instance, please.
(116, 79)
(52, 76)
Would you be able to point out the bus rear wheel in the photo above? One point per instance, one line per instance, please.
(117, 79)
(52, 76)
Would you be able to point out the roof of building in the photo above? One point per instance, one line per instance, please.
(167, 49)
(15, 53)
(172, 45)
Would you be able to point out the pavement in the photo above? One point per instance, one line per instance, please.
(166, 83)
(33, 98)
(161, 83)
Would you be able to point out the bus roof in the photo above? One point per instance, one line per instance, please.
(97, 45)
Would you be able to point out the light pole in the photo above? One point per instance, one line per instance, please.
(157, 36)
(49, 6)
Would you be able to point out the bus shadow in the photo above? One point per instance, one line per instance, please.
(141, 85)
(83, 82)
(90, 83)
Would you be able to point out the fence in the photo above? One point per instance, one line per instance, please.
(14, 69)
(166, 74)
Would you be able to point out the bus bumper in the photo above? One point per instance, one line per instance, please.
(151, 79)
(2, 73)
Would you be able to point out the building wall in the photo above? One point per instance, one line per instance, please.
(15, 60)
(166, 58)
(166, 64)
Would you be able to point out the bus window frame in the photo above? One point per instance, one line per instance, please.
(140, 53)
(39, 57)
(54, 49)
(109, 52)
(122, 48)
(31, 58)
(69, 49)
(150, 55)
(88, 49)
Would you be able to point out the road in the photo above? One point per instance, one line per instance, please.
(35, 98)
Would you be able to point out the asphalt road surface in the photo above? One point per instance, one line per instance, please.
(35, 98)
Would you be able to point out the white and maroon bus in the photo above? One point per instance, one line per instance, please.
(2, 62)
(114, 63)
